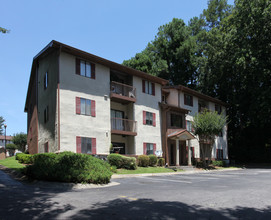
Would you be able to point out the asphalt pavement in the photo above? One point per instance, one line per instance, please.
(232, 194)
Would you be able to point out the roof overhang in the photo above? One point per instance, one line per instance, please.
(180, 134)
(197, 94)
(173, 108)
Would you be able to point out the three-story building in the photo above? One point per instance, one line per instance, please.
(83, 103)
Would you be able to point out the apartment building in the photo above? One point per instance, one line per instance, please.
(178, 107)
(83, 103)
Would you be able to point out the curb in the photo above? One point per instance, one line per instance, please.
(52, 185)
(121, 176)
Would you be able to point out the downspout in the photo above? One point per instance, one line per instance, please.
(37, 81)
(58, 100)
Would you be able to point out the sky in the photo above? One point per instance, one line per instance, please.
(115, 30)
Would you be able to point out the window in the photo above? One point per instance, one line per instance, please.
(148, 87)
(45, 80)
(202, 106)
(219, 154)
(85, 145)
(149, 118)
(149, 148)
(176, 120)
(164, 99)
(85, 107)
(85, 68)
(117, 122)
(46, 114)
(188, 100)
(189, 126)
(218, 109)
(46, 147)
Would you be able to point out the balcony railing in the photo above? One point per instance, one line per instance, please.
(123, 126)
(122, 91)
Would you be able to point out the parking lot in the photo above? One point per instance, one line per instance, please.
(242, 194)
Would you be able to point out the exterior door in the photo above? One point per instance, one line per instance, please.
(117, 120)
(183, 153)
(172, 154)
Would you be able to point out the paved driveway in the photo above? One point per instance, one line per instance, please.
(244, 194)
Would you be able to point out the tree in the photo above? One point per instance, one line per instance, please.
(20, 140)
(238, 72)
(2, 120)
(3, 30)
(170, 55)
(207, 125)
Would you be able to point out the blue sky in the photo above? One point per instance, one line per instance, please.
(115, 30)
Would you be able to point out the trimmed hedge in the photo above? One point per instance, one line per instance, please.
(69, 167)
(219, 163)
(153, 160)
(161, 162)
(120, 161)
(25, 158)
(143, 160)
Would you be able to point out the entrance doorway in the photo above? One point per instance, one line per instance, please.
(183, 153)
(118, 148)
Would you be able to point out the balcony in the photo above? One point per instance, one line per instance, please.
(123, 126)
(122, 93)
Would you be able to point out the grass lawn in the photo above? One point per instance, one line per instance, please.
(140, 170)
(10, 162)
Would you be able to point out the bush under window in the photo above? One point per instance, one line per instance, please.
(143, 160)
(120, 161)
(69, 167)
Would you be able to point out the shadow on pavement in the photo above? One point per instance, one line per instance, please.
(150, 209)
(19, 201)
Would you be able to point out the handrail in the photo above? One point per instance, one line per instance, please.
(123, 89)
(122, 124)
(121, 84)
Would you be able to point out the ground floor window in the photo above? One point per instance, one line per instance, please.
(149, 148)
(86, 145)
(46, 147)
(219, 154)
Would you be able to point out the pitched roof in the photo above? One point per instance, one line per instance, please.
(181, 134)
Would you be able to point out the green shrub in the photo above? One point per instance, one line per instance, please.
(115, 160)
(219, 163)
(113, 169)
(11, 146)
(129, 163)
(69, 167)
(143, 160)
(161, 162)
(24, 158)
(17, 156)
(153, 160)
(120, 161)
